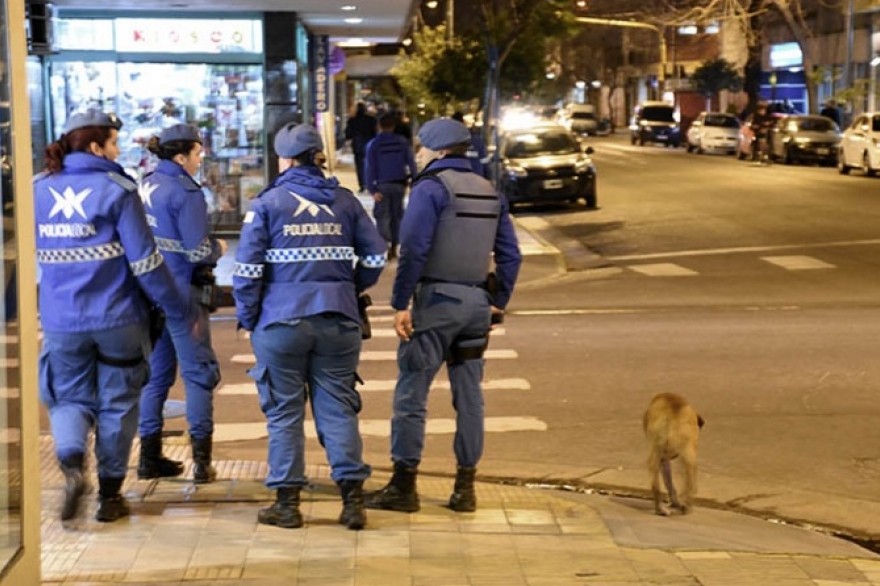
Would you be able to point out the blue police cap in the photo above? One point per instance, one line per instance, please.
(92, 118)
(443, 133)
(293, 140)
(179, 132)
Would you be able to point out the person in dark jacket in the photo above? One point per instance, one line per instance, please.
(360, 129)
(477, 153)
(296, 287)
(177, 213)
(455, 227)
(389, 168)
(100, 274)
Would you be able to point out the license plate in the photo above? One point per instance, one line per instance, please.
(823, 151)
(553, 184)
(661, 137)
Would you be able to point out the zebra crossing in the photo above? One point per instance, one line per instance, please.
(784, 262)
(381, 353)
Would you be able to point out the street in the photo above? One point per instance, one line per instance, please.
(750, 290)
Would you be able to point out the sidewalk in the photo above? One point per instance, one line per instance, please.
(182, 534)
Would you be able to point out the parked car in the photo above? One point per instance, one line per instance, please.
(860, 145)
(714, 131)
(546, 163)
(805, 138)
(747, 136)
(655, 122)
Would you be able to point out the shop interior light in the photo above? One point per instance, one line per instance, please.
(406, 42)
(875, 61)
(432, 4)
(348, 7)
(354, 42)
(354, 20)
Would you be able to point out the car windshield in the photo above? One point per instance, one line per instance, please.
(658, 113)
(535, 145)
(722, 121)
(816, 125)
(583, 116)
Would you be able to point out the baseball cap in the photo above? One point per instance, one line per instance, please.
(180, 132)
(295, 139)
(92, 118)
(443, 133)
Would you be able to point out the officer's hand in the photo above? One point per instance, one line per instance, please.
(497, 318)
(377, 197)
(223, 246)
(403, 324)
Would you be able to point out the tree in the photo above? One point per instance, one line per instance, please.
(714, 76)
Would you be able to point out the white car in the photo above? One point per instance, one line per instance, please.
(714, 131)
(860, 145)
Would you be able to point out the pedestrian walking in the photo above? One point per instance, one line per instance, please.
(296, 288)
(831, 110)
(360, 129)
(388, 169)
(100, 274)
(455, 225)
(177, 213)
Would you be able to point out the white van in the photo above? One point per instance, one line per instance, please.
(580, 119)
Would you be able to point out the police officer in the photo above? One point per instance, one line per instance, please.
(477, 153)
(307, 249)
(454, 226)
(177, 213)
(388, 169)
(97, 257)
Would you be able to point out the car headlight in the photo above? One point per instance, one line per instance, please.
(802, 140)
(516, 171)
(581, 166)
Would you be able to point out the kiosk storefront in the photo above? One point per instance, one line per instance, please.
(156, 72)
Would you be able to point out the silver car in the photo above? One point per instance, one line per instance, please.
(860, 145)
(799, 138)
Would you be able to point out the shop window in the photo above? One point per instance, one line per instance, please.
(224, 100)
(10, 404)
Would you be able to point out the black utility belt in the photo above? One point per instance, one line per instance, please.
(433, 281)
(394, 182)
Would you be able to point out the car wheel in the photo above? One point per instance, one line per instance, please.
(700, 149)
(641, 141)
(789, 156)
(740, 155)
(842, 167)
(590, 198)
(633, 140)
(690, 147)
(866, 165)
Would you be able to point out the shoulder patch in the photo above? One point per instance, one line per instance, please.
(123, 181)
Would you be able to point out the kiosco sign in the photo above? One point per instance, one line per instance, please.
(136, 35)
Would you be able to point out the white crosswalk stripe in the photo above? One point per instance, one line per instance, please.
(230, 432)
(373, 386)
(798, 262)
(664, 269)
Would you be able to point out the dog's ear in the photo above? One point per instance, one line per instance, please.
(700, 421)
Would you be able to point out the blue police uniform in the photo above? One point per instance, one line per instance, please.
(455, 225)
(177, 213)
(307, 249)
(388, 168)
(97, 258)
(477, 154)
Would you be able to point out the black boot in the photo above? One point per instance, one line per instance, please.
(353, 514)
(399, 494)
(203, 472)
(285, 511)
(111, 504)
(152, 463)
(464, 499)
(74, 485)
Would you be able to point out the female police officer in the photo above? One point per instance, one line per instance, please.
(178, 215)
(296, 287)
(96, 255)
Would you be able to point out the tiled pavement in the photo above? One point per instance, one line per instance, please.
(181, 534)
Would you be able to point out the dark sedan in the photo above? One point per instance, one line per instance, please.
(805, 138)
(545, 164)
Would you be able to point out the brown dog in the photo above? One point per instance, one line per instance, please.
(673, 428)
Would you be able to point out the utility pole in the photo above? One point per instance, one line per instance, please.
(661, 39)
(846, 77)
(450, 19)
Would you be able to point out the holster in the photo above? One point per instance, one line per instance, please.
(364, 301)
(203, 283)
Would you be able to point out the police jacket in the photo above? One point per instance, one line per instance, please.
(439, 230)
(307, 247)
(178, 215)
(389, 160)
(95, 250)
